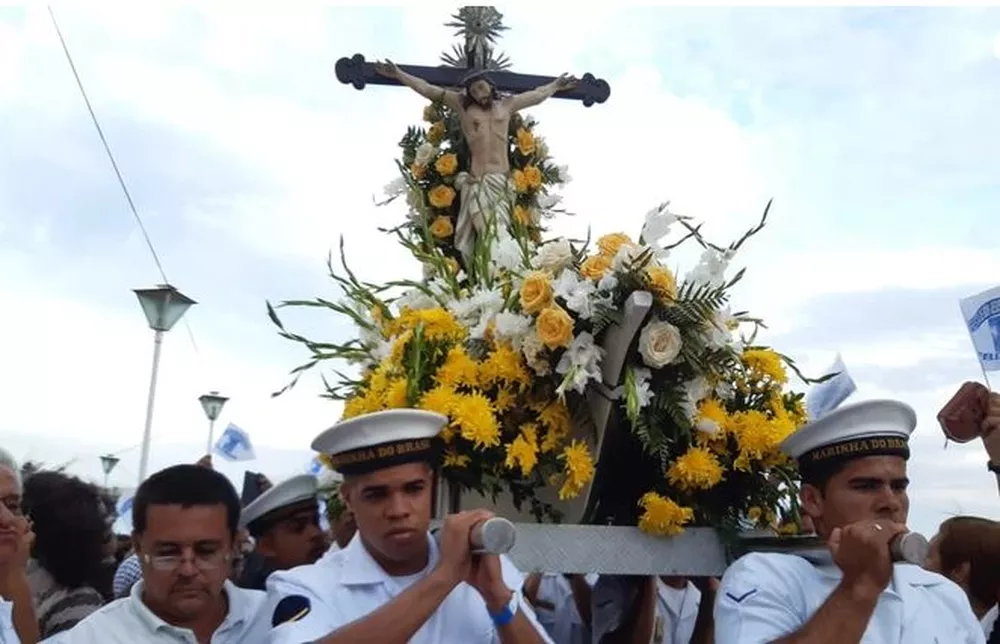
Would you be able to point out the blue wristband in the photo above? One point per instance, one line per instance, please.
(506, 614)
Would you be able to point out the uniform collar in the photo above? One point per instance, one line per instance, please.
(239, 612)
(358, 567)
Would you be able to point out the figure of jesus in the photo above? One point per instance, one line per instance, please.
(484, 115)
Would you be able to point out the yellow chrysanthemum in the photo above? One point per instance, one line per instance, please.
(556, 419)
(712, 415)
(446, 164)
(458, 369)
(595, 267)
(398, 347)
(520, 181)
(435, 133)
(395, 395)
(525, 141)
(522, 215)
(474, 419)
(505, 365)
(441, 400)
(609, 245)
(504, 400)
(438, 324)
(662, 516)
(764, 363)
(533, 176)
(696, 469)
(452, 458)
(578, 467)
(441, 227)
(661, 282)
(441, 196)
(756, 435)
(522, 454)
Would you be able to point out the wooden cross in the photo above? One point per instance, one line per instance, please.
(356, 71)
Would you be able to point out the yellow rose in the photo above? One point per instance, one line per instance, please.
(533, 176)
(453, 265)
(435, 133)
(441, 196)
(522, 215)
(662, 282)
(418, 171)
(554, 327)
(446, 164)
(611, 244)
(430, 113)
(536, 292)
(525, 142)
(595, 267)
(520, 181)
(441, 227)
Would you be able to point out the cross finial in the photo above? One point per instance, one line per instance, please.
(480, 27)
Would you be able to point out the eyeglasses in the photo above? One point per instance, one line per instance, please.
(203, 561)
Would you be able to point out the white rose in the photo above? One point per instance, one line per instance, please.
(659, 344)
(425, 153)
(553, 256)
(532, 348)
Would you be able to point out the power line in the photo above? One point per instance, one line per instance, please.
(114, 165)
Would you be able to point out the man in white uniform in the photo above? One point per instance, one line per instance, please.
(853, 468)
(184, 522)
(653, 610)
(393, 583)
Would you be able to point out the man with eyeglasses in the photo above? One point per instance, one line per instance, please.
(184, 521)
(284, 522)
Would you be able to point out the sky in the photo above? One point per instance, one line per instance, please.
(873, 130)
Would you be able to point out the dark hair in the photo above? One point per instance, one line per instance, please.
(819, 474)
(977, 541)
(186, 486)
(467, 83)
(71, 526)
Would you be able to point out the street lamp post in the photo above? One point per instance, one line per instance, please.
(163, 306)
(108, 462)
(212, 403)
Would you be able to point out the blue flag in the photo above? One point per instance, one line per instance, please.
(826, 396)
(235, 445)
(315, 467)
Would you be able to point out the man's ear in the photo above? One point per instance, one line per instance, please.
(811, 498)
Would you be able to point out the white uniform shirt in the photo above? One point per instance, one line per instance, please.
(764, 597)
(345, 585)
(7, 633)
(128, 621)
(562, 622)
(676, 609)
(989, 621)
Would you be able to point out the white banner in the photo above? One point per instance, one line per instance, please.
(826, 396)
(982, 319)
(235, 445)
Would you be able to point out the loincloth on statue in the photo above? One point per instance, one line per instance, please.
(484, 201)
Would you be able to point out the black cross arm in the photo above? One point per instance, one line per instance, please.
(358, 72)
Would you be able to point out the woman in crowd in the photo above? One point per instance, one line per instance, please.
(17, 611)
(67, 572)
(967, 551)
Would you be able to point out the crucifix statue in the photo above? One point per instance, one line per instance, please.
(485, 96)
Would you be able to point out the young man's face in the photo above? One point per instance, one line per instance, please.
(873, 487)
(392, 508)
(294, 538)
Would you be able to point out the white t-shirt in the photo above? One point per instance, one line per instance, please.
(676, 609)
(7, 633)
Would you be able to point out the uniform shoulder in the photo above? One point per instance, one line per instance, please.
(321, 574)
(763, 569)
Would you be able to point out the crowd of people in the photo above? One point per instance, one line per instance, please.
(204, 565)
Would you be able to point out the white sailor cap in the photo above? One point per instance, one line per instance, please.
(382, 439)
(296, 490)
(871, 428)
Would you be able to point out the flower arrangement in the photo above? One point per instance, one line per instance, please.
(507, 346)
(433, 164)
